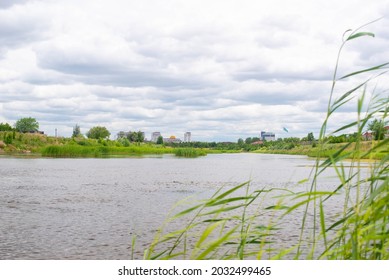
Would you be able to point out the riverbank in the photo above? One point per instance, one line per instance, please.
(16, 144)
(348, 150)
(26, 144)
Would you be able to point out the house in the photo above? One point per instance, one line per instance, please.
(367, 136)
(35, 132)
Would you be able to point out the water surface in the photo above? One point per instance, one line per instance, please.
(91, 208)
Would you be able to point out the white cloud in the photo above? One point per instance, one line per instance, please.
(221, 69)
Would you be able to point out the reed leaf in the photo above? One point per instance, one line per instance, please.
(375, 68)
(360, 34)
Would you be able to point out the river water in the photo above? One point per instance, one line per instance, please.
(92, 208)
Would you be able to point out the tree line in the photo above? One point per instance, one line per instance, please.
(29, 124)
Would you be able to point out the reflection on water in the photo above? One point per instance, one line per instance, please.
(91, 208)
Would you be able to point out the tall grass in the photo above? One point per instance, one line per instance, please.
(189, 152)
(101, 151)
(239, 222)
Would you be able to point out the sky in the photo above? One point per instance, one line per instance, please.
(221, 69)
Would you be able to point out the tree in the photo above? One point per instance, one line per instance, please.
(248, 140)
(378, 128)
(98, 132)
(310, 137)
(5, 127)
(139, 136)
(160, 140)
(76, 131)
(27, 125)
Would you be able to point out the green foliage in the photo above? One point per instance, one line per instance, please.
(26, 125)
(8, 138)
(160, 140)
(98, 132)
(189, 152)
(136, 136)
(124, 142)
(5, 127)
(310, 137)
(76, 131)
(378, 128)
(101, 150)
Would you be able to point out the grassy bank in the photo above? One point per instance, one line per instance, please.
(189, 152)
(365, 150)
(102, 151)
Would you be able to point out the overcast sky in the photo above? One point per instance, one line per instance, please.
(222, 69)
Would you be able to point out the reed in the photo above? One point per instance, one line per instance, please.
(239, 223)
(101, 151)
(189, 152)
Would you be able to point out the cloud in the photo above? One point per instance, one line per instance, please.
(4, 4)
(221, 69)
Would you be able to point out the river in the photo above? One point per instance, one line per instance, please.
(92, 208)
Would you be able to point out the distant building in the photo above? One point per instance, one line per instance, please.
(35, 132)
(172, 139)
(268, 136)
(367, 136)
(187, 137)
(154, 136)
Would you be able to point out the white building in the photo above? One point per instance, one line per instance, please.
(187, 137)
(154, 136)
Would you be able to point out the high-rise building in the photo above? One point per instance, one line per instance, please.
(154, 136)
(187, 136)
(268, 136)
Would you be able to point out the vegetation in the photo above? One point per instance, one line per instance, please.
(189, 152)
(98, 132)
(5, 127)
(101, 151)
(160, 140)
(27, 125)
(378, 128)
(236, 223)
(76, 131)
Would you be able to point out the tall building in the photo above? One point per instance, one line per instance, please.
(154, 136)
(268, 136)
(187, 137)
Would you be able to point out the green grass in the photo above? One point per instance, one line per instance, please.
(101, 151)
(189, 152)
(243, 223)
(328, 149)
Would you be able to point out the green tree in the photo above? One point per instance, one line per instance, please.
(5, 127)
(27, 124)
(310, 137)
(98, 132)
(160, 140)
(76, 131)
(378, 128)
(139, 136)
